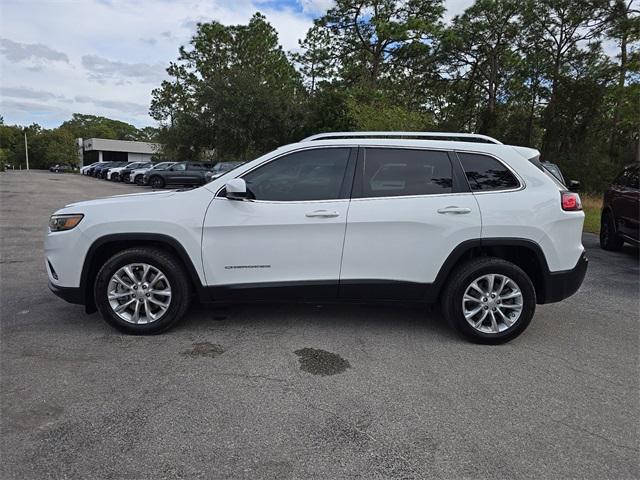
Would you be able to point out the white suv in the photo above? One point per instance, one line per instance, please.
(371, 216)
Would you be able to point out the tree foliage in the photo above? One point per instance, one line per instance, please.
(233, 92)
(562, 76)
(529, 72)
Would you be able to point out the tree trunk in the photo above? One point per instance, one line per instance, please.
(622, 75)
(550, 114)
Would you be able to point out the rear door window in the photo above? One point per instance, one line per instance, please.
(485, 173)
(392, 172)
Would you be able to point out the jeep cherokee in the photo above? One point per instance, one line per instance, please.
(461, 219)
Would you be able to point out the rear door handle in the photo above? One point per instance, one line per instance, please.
(323, 214)
(456, 210)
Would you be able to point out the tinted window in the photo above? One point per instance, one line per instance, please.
(390, 172)
(179, 167)
(486, 173)
(307, 175)
(196, 166)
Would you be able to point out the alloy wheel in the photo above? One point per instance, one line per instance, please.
(492, 303)
(139, 293)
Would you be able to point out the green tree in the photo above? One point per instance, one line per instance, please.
(624, 28)
(234, 92)
(565, 26)
(482, 49)
(92, 126)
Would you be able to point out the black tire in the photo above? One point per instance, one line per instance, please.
(115, 177)
(168, 265)
(464, 275)
(609, 238)
(156, 182)
(139, 180)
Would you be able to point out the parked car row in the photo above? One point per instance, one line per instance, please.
(158, 175)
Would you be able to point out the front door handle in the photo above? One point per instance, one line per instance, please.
(456, 210)
(323, 214)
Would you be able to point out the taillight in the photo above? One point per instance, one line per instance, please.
(571, 201)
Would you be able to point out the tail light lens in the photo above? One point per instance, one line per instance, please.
(571, 201)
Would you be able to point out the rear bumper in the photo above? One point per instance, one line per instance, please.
(561, 285)
(70, 294)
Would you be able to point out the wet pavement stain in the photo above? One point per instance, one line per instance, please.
(204, 349)
(321, 362)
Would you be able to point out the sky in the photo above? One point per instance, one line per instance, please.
(104, 57)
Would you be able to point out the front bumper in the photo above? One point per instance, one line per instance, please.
(561, 285)
(70, 294)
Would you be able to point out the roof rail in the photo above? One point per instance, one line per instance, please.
(462, 137)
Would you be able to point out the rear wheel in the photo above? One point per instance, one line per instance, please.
(156, 182)
(142, 291)
(609, 239)
(489, 300)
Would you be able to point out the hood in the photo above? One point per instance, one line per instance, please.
(126, 198)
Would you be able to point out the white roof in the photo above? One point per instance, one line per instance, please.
(120, 146)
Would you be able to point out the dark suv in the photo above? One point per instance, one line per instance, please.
(620, 210)
(181, 173)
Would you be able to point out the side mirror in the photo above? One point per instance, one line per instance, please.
(574, 185)
(237, 189)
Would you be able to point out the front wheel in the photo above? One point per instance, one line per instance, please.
(489, 300)
(142, 291)
(138, 180)
(156, 182)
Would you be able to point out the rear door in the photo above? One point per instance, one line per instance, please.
(176, 173)
(410, 209)
(194, 173)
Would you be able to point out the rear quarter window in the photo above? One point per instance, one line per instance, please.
(485, 173)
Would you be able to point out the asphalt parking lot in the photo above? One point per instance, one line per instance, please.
(307, 391)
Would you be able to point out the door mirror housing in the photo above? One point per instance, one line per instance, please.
(574, 185)
(237, 189)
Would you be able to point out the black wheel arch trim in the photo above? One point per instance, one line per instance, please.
(89, 269)
(555, 286)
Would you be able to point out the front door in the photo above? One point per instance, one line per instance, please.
(287, 241)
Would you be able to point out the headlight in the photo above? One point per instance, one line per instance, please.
(58, 223)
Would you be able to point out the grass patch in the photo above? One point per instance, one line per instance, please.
(592, 205)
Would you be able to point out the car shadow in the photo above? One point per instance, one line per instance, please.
(334, 316)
